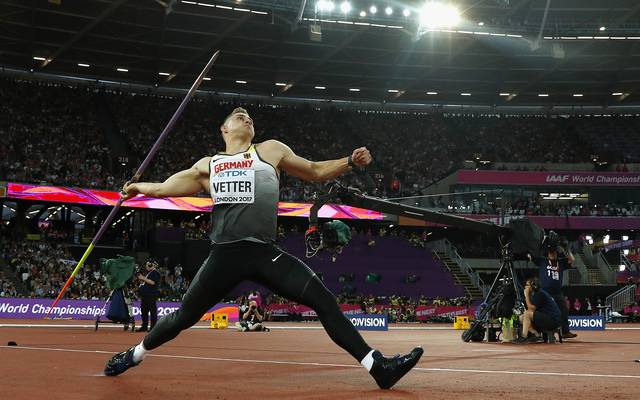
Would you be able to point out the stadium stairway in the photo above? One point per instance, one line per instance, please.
(459, 276)
(594, 275)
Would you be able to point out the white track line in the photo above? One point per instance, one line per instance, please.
(312, 364)
(283, 327)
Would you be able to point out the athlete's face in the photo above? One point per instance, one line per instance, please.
(239, 124)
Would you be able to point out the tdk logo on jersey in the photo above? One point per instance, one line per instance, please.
(233, 173)
(586, 323)
(370, 322)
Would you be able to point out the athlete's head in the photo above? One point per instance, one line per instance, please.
(237, 124)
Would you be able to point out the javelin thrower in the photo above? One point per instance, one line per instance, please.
(244, 185)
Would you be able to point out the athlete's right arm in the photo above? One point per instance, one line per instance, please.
(184, 183)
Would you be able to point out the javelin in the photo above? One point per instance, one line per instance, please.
(143, 166)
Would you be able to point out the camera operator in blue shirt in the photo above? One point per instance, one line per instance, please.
(550, 269)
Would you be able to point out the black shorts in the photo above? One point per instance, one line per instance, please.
(544, 322)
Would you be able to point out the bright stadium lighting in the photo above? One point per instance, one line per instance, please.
(603, 28)
(281, 84)
(39, 58)
(320, 87)
(432, 93)
(164, 73)
(354, 90)
(625, 252)
(388, 10)
(363, 13)
(325, 5)
(543, 95)
(206, 78)
(465, 94)
(480, 23)
(83, 65)
(625, 237)
(241, 82)
(393, 90)
(578, 95)
(616, 94)
(622, 267)
(406, 12)
(505, 94)
(438, 15)
(605, 239)
(345, 7)
(373, 9)
(122, 70)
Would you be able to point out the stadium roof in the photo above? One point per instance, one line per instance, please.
(502, 52)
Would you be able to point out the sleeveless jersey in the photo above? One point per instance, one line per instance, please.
(245, 191)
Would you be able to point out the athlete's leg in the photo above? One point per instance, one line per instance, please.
(218, 275)
(293, 279)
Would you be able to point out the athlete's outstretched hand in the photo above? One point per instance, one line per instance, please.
(361, 156)
(129, 190)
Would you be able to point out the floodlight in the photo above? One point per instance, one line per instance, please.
(373, 9)
(388, 10)
(406, 12)
(345, 7)
(325, 5)
(438, 15)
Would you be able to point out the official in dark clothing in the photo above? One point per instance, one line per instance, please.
(149, 292)
(542, 313)
(550, 270)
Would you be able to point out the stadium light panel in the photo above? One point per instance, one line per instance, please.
(363, 13)
(432, 93)
(206, 78)
(373, 9)
(616, 94)
(625, 237)
(406, 12)
(605, 239)
(543, 95)
(388, 10)
(320, 87)
(438, 15)
(39, 58)
(345, 7)
(577, 95)
(164, 73)
(392, 90)
(122, 70)
(465, 94)
(325, 6)
(625, 252)
(480, 23)
(603, 28)
(83, 65)
(354, 90)
(281, 84)
(505, 94)
(241, 82)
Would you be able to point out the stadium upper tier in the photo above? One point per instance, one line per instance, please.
(95, 138)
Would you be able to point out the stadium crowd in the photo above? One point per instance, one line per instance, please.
(42, 267)
(53, 134)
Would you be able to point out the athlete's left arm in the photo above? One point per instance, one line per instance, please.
(315, 171)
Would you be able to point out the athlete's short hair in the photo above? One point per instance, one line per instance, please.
(237, 110)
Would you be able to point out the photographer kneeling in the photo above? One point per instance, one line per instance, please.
(542, 313)
(251, 320)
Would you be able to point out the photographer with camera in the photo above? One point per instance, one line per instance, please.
(149, 291)
(550, 269)
(542, 313)
(251, 319)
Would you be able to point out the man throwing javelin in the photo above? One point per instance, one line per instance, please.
(244, 185)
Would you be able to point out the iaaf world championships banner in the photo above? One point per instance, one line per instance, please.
(20, 308)
(549, 178)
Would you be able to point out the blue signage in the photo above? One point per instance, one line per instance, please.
(370, 322)
(592, 323)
